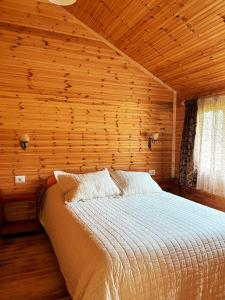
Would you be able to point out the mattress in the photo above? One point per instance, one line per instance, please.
(159, 246)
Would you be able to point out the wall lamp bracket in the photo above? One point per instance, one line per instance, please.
(152, 139)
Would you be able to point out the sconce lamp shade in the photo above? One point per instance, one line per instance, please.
(152, 139)
(24, 141)
(63, 2)
(155, 136)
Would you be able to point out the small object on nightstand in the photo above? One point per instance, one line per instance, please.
(31, 224)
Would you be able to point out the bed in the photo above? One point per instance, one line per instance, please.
(157, 246)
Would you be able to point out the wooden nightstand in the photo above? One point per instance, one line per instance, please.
(170, 185)
(22, 225)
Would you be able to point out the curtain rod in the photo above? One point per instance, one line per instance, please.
(219, 93)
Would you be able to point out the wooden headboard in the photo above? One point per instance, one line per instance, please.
(51, 180)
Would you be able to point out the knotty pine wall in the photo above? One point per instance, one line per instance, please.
(84, 106)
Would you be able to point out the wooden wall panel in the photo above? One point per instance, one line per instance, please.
(83, 104)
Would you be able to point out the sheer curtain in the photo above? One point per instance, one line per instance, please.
(209, 150)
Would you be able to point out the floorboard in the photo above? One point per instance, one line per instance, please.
(29, 270)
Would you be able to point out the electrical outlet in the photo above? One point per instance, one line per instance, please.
(152, 172)
(20, 179)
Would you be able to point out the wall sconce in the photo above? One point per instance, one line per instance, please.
(24, 141)
(152, 139)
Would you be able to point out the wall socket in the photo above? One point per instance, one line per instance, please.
(152, 172)
(20, 179)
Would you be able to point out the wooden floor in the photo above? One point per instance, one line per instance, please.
(29, 270)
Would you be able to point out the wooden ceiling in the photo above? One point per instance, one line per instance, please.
(180, 41)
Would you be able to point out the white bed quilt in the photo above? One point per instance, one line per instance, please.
(141, 247)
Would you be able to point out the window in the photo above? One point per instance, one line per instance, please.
(209, 149)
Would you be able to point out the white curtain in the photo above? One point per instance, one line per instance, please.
(209, 150)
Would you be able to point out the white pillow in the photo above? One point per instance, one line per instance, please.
(86, 186)
(135, 183)
(66, 181)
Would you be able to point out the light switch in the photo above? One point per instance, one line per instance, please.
(152, 172)
(20, 179)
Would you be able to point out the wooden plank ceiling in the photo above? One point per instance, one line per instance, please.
(180, 41)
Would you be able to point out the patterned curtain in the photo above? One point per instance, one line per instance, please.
(187, 174)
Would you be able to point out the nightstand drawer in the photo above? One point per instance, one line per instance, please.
(15, 211)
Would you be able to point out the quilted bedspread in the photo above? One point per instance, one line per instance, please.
(142, 247)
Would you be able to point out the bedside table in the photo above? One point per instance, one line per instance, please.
(30, 224)
(170, 185)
